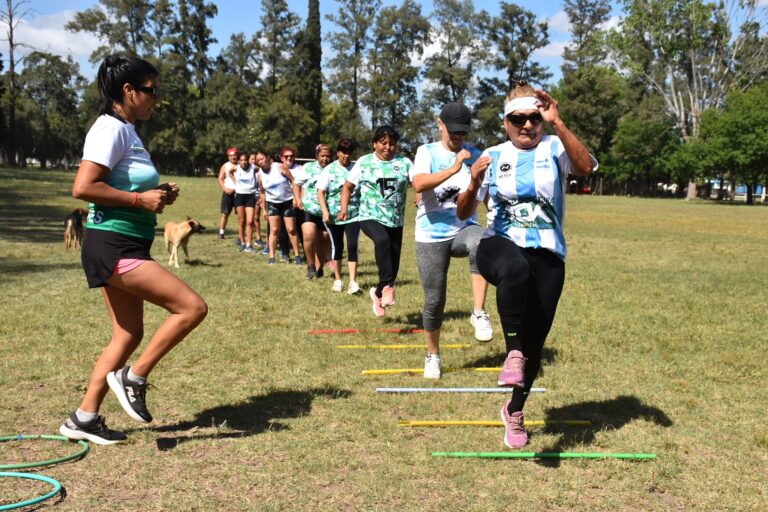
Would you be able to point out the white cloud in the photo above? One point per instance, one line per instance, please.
(552, 50)
(47, 33)
(559, 23)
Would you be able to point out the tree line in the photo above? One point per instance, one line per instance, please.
(676, 94)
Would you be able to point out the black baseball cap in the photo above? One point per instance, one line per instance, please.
(456, 117)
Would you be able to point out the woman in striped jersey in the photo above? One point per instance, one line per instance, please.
(523, 250)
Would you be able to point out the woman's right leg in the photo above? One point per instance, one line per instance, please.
(240, 210)
(352, 233)
(433, 260)
(336, 236)
(290, 226)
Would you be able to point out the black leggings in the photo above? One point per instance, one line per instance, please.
(337, 233)
(528, 286)
(388, 243)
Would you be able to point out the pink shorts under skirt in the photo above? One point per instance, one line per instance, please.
(125, 265)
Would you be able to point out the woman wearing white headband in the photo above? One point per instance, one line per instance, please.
(523, 250)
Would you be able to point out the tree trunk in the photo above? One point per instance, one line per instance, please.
(691, 190)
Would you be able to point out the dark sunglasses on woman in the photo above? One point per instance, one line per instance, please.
(520, 119)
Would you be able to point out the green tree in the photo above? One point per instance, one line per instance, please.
(241, 57)
(307, 83)
(391, 95)
(52, 85)
(687, 52)
(349, 46)
(278, 33)
(451, 70)
(160, 31)
(120, 24)
(587, 45)
(515, 35)
(194, 37)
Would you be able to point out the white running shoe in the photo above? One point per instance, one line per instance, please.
(432, 367)
(353, 288)
(338, 284)
(482, 325)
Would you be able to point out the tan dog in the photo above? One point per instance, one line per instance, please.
(73, 228)
(178, 235)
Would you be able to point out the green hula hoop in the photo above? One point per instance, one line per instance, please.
(55, 483)
(48, 462)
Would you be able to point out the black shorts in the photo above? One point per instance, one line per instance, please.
(246, 200)
(314, 219)
(103, 249)
(227, 203)
(284, 209)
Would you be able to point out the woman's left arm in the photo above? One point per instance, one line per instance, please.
(581, 160)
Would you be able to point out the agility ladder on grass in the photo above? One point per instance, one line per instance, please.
(411, 346)
(396, 371)
(544, 455)
(488, 423)
(454, 390)
(360, 331)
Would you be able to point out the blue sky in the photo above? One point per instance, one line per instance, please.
(43, 27)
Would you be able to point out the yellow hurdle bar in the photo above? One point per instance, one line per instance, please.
(489, 423)
(402, 347)
(396, 371)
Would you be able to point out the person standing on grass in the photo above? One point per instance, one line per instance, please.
(257, 208)
(245, 200)
(383, 180)
(440, 175)
(227, 190)
(277, 200)
(117, 177)
(523, 251)
(329, 186)
(305, 197)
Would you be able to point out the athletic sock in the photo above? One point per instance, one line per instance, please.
(84, 416)
(476, 311)
(136, 378)
(221, 231)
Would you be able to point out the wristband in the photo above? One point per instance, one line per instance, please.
(135, 199)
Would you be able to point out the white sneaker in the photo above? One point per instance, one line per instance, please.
(353, 288)
(482, 324)
(432, 366)
(338, 284)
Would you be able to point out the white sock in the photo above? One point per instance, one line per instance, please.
(221, 231)
(477, 311)
(136, 378)
(84, 416)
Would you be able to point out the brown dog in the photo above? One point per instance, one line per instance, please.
(178, 235)
(73, 228)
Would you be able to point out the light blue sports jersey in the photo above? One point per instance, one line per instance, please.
(436, 219)
(527, 192)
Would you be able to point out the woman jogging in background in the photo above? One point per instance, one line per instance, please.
(246, 185)
(118, 178)
(329, 186)
(305, 197)
(523, 251)
(441, 175)
(383, 180)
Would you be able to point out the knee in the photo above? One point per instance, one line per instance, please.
(196, 310)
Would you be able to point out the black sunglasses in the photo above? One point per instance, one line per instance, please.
(154, 91)
(520, 119)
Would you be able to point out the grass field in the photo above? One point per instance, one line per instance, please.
(660, 340)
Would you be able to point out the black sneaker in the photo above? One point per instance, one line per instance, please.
(311, 272)
(319, 273)
(95, 431)
(132, 396)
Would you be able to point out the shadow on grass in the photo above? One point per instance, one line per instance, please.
(14, 267)
(201, 263)
(414, 318)
(606, 414)
(253, 416)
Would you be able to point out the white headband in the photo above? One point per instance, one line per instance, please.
(524, 103)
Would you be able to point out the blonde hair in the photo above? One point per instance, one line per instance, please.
(522, 89)
(321, 147)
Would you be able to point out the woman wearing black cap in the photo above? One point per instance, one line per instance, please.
(441, 175)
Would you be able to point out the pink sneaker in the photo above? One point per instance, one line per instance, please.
(388, 296)
(512, 374)
(515, 435)
(378, 309)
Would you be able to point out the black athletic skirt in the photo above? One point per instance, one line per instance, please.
(103, 249)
